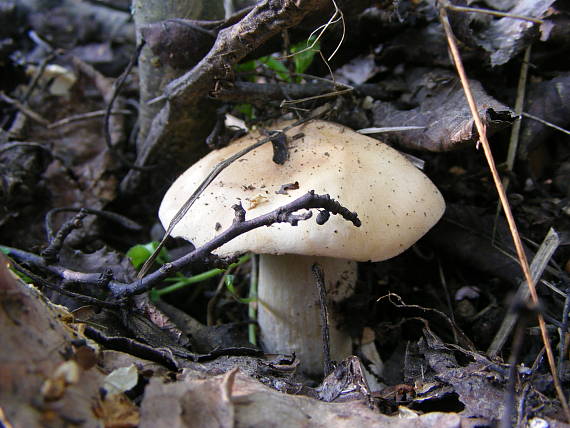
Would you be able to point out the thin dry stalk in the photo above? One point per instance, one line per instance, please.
(515, 130)
(504, 201)
(456, 8)
(545, 122)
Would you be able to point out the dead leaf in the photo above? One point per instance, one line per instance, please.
(33, 361)
(234, 399)
(442, 111)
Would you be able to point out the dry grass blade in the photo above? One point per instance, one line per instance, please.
(545, 122)
(504, 202)
(539, 263)
(493, 13)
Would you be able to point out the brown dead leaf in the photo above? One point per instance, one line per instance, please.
(235, 399)
(40, 384)
(442, 109)
(117, 411)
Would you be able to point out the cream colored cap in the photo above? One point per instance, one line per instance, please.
(396, 202)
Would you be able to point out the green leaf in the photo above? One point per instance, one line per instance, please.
(303, 58)
(246, 110)
(247, 66)
(181, 281)
(229, 281)
(277, 66)
(21, 275)
(140, 253)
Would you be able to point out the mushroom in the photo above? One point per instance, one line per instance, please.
(396, 203)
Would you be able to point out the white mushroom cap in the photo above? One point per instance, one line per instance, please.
(396, 202)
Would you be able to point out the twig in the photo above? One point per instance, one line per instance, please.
(538, 265)
(284, 214)
(15, 144)
(518, 340)
(54, 247)
(456, 8)
(504, 201)
(458, 336)
(37, 76)
(257, 92)
(41, 282)
(337, 16)
(125, 222)
(235, 42)
(564, 332)
(84, 116)
(119, 290)
(287, 103)
(211, 306)
(545, 122)
(24, 109)
(205, 183)
(519, 106)
(320, 283)
(377, 130)
(67, 275)
(515, 130)
(108, 111)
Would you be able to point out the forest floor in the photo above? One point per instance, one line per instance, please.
(443, 334)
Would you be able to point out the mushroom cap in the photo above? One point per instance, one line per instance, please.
(396, 202)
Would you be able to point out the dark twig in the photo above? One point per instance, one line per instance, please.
(120, 290)
(15, 144)
(37, 76)
(28, 112)
(111, 5)
(109, 109)
(564, 332)
(267, 19)
(41, 282)
(525, 314)
(233, 43)
(257, 92)
(108, 215)
(67, 275)
(209, 178)
(55, 245)
(320, 282)
(284, 214)
(85, 116)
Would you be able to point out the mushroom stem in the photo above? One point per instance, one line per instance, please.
(289, 311)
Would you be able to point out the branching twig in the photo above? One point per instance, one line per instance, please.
(284, 214)
(505, 203)
(267, 19)
(55, 245)
(119, 290)
(39, 281)
(125, 222)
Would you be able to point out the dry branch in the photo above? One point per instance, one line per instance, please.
(267, 19)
